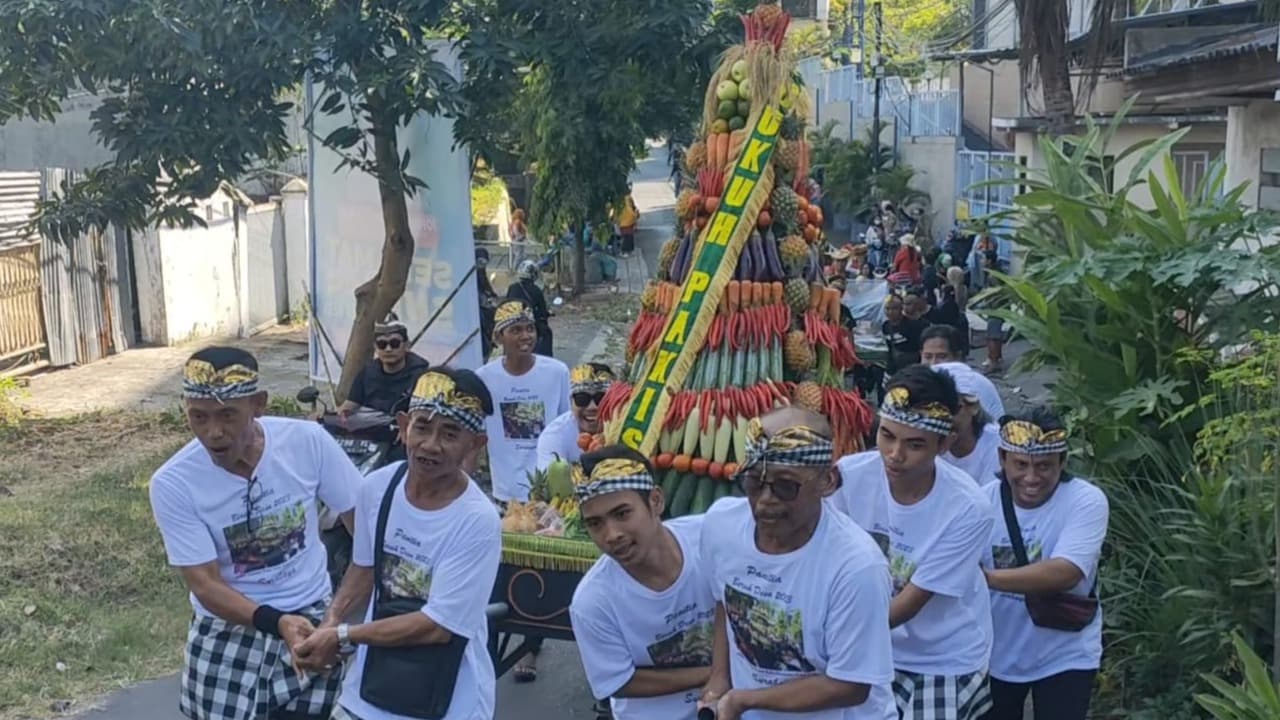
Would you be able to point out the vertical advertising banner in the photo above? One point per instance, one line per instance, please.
(347, 235)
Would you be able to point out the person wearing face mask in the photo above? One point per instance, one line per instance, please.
(1042, 568)
(387, 379)
(932, 523)
(802, 614)
(587, 385)
(643, 615)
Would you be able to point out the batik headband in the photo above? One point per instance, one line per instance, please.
(932, 417)
(389, 326)
(201, 381)
(585, 378)
(438, 394)
(511, 313)
(612, 475)
(1027, 438)
(796, 445)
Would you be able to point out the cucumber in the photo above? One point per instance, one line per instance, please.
(712, 375)
(687, 485)
(669, 478)
(705, 494)
(723, 490)
(726, 364)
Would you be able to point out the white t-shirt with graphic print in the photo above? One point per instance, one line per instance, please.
(1071, 525)
(983, 462)
(447, 556)
(621, 625)
(272, 555)
(523, 406)
(560, 438)
(936, 544)
(822, 609)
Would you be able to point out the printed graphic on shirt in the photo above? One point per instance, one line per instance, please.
(901, 568)
(263, 541)
(1003, 557)
(403, 578)
(523, 420)
(690, 647)
(769, 635)
(882, 540)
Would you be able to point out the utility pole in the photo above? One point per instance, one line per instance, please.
(862, 39)
(877, 67)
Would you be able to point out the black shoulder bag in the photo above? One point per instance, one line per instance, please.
(416, 680)
(1055, 611)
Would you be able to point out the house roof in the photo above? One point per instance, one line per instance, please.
(1212, 45)
(1029, 123)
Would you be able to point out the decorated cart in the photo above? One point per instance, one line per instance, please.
(736, 322)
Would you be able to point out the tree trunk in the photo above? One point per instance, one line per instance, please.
(379, 294)
(579, 259)
(1059, 99)
(1043, 27)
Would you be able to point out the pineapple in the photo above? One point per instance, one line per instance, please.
(667, 255)
(787, 155)
(808, 395)
(768, 14)
(686, 205)
(695, 157)
(794, 251)
(538, 486)
(786, 207)
(796, 352)
(792, 128)
(649, 298)
(796, 292)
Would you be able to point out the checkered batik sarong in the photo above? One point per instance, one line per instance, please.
(237, 673)
(941, 697)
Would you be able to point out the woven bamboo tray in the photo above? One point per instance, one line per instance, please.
(548, 553)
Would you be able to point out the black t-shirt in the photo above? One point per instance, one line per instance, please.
(903, 340)
(377, 389)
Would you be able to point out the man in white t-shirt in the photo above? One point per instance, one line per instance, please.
(802, 615)
(587, 385)
(975, 439)
(642, 616)
(425, 558)
(237, 509)
(1045, 547)
(529, 391)
(932, 522)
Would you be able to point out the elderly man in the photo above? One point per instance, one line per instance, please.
(802, 615)
(236, 508)
(587, 385)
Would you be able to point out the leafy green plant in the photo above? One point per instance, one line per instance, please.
(1257, 698)
(848, 173)
(10, 411)
(1120, 299)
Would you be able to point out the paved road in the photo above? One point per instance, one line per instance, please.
(561, 689)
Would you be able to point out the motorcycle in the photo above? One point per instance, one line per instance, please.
(368, 438)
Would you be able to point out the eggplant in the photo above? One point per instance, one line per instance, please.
(684, 258)
(773, 259)
(739, 273)
(747, 263)
(757, 257)
(811, 272)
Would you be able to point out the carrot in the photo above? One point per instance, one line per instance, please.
(724, 150)
(699, 466)
(833, 305)
(681, 463)
(663, 461)
(777, 293)
(735, 295)
(757, 293)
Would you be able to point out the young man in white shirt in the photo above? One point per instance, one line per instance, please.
(802, 615)
(642, 616)
(237, 509)
(933, 523)
(587, 385)
(529, 391)
(1045, 546)
(425, 557)
(975, 439)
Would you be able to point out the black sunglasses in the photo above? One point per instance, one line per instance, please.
(583, 399)
(784, 490)
(393, 344)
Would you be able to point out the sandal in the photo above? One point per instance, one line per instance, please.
(524, 674)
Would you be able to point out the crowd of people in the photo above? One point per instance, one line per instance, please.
(944, 574)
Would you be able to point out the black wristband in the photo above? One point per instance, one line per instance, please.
(266, 619)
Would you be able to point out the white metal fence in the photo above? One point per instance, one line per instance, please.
(914, 112)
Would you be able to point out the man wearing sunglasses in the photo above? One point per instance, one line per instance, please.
(387, 379)
(802, 615)
(237, 510)
(587, 385)
(932, 523)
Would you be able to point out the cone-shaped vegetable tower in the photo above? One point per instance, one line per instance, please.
(738, 320)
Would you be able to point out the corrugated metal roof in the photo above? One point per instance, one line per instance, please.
(19, 192)
(1211, 46)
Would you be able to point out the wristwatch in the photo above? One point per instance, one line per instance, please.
(344, 638)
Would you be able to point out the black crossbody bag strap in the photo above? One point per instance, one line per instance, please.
(380, 530)
(1011, 524)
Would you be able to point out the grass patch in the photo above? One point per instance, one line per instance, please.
(84, 585)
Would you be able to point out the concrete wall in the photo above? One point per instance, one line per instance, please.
(266, 292)
(297, 232)
(202, 277)
(1250, 129)
(934, 159)
(66, 143)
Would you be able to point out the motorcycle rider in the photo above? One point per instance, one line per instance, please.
(390, 375)
(526, 290)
